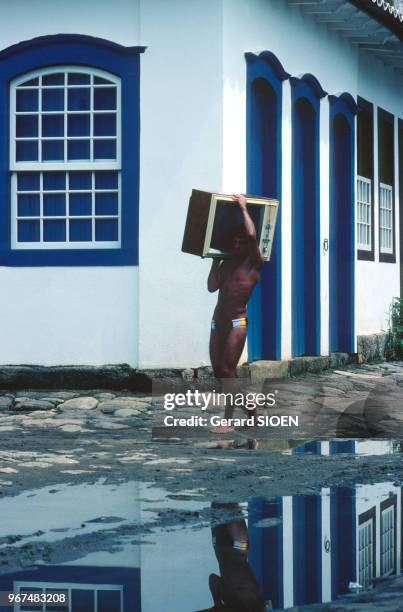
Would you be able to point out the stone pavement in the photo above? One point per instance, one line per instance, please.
(72, 411)
(363, 401)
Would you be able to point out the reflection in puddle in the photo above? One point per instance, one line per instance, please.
(284, 552)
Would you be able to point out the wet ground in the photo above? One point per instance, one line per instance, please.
(97, 496)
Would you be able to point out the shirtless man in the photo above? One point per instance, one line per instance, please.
(235, 279)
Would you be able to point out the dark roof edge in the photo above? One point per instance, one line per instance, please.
(379, 10)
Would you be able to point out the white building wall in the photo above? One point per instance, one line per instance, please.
(378, 283)
(74, 315)
(181, 149)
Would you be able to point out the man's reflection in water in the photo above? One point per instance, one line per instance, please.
(236, 589)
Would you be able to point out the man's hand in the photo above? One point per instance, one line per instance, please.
(241, 200)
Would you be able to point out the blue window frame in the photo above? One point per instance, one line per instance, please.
(69, 185)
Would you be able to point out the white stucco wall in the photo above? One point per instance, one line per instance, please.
(58, 316)
(378, 283)
(68, 316)
(181, 149)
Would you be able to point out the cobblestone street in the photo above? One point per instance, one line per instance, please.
(84, 448)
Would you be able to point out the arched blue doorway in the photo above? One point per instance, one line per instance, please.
(306, 94)
(342, 224)
(264, 101)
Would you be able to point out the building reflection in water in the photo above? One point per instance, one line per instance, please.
(322, 543)
(291, 551)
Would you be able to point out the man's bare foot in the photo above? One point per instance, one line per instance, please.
(221, 429)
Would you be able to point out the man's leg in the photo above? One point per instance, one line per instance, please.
(234, 345)
(230, 351)
(216, 347)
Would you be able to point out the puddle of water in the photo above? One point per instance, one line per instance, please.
(356, 447)
(335, 446)
(289, 551)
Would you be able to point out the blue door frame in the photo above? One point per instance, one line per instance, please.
(265, 75)
(305, 234)
(342, 223)
(266, 548)
(343, 538)
(307, 539)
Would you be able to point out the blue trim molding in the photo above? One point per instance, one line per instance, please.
(82, 50)
(312, 82)
(305, 95)
(273, 64)
(265, 75)
(342, 111)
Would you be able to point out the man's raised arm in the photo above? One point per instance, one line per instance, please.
(250, 230)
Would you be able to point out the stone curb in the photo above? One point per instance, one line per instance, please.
(123, 376)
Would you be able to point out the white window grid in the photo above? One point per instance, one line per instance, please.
(364, 213)
(65, 165)
(82, 165)
(387, 541)
(365, 553)
(385, 218)
(44, 587)
(67, 218)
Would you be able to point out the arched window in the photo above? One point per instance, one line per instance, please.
(65, 158)
(69, 152)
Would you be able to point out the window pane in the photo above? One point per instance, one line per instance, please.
(106, 180)
(80, 180)
(53, 79)
(31, 605)
(27, 125)
(79, 99)
(101, 81)
(109, 601)
(28, 205)
(52, 125)
(78, 149)
(54, 181)
(80, 231)
(54, 204)
(27, 150)
(80, 204)
(52, 150)
(57, 606)
(104, 149)
(106, 229)
(31, 83)
(53, 99)
(75, 78)
(105, 98)
(78, 125)
(105, 125)
(82, 600)
(28, 231)
(28, 181)
(54, 231)
(106, 204)
(27, 100)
